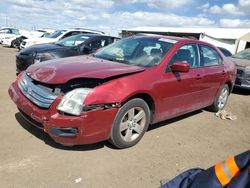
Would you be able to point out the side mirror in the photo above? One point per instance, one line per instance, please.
(180, 67)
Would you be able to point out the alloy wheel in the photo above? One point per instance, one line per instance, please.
(223, 98)
(132, 124)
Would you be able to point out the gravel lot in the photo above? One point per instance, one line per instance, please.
(29, 158)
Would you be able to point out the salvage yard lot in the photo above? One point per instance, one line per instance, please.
(29, 158)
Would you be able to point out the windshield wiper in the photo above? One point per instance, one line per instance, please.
(105, 58)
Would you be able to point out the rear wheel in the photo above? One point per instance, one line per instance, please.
(221, 99)
(130, 124)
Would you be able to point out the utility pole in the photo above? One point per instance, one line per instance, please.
(6, 21)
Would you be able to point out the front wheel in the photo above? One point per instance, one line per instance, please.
(12, 44)
(130, 124)
(221, 99)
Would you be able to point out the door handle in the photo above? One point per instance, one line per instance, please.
(198, 76)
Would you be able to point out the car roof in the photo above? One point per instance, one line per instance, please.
(178, 39)
(85, 30)
(165, 37)
(95, 35)
(8, 28)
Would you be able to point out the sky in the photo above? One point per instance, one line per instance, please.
(111, 16)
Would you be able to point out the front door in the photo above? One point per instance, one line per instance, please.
(180, 92)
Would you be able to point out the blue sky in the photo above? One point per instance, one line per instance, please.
(113, 15)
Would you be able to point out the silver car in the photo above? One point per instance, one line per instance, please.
(242, 61)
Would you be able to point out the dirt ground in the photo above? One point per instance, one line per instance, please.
(29, 158)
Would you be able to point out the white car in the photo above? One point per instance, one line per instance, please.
(8, 32)
(56, 36)
(8, 41)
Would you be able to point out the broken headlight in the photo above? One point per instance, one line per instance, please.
(72, 102)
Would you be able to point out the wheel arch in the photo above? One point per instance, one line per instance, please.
(148, 99)
(230, 85)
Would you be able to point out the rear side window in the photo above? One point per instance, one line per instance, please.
(5, 31)
(210, 56)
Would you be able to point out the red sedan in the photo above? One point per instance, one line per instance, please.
(116, 93)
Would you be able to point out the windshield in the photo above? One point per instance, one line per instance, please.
(73, 40)
(45, 34)
(55, 34)
(245, 54)
(139, 51)
(15, 31)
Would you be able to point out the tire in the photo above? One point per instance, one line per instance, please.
(221, 99)
(130, 124)
(12, 44)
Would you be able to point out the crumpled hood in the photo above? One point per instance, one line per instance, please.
(59, 71)
(241, 62)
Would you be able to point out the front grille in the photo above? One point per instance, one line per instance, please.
(38, 95)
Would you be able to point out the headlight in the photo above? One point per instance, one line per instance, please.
(72, 102)
(38, 57)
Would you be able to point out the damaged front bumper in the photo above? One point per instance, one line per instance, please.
(92, 126)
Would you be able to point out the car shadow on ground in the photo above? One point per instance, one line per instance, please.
(173, 120)
(15, 49)
(38, 133)
(241, 91)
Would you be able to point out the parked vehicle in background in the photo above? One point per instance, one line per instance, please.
(226, 52)
(16, 41)
(116, 93)
(71, 46)
(242, 61)
(8, 32)
(56, 36)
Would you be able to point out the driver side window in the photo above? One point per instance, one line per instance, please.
(188, 54)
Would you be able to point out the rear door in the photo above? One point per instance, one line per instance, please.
(214, 73)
